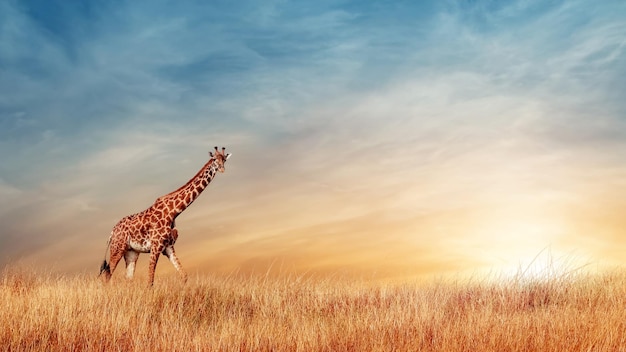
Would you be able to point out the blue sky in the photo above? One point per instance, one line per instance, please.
(428, 136)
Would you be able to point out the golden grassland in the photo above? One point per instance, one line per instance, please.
(582, 312)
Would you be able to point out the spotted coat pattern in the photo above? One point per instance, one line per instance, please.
(154, 229)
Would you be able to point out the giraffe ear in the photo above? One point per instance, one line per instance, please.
(211, 154)
(228, 156)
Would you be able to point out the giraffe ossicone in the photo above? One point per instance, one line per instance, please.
(154, 229)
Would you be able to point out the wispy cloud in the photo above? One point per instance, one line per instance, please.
(404, 128)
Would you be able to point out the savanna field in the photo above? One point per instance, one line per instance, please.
(576, 312)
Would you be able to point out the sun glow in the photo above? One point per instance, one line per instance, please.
(524, 245)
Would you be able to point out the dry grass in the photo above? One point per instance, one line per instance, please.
(570, 313)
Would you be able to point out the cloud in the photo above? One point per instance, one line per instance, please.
(362, 134)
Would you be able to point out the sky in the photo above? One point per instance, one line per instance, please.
(380, 139)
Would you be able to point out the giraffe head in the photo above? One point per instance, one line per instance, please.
(220, 158)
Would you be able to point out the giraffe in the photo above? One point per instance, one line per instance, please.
(154, 230)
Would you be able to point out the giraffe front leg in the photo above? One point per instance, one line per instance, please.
(155, 251)
(171, 254)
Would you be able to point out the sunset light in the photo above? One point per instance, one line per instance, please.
(419, 139)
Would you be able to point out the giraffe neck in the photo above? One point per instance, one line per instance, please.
(177, 201)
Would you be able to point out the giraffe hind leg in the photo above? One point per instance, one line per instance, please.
(115, 256)
(130, 258)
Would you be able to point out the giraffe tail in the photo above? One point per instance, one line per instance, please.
(104, 268)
